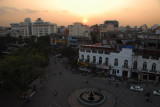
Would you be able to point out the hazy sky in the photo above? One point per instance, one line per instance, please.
(65, 12)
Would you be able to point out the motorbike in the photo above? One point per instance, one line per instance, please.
(55, 93)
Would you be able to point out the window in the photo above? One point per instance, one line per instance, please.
(145, 66)
(100, 60)
(94, 59)
(126, 63)
(116, 62)
(82, 57)
(135, 65)
(88, 58)
(114, 71)
(153, 67)
(106, 61)
(117, 71)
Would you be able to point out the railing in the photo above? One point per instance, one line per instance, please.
(100, 52)
(93, 51)
(87, 61)
(154, 57)
(88, 50)
(99, 63)
(144, 69)
(105, 64)
(81, 60)
(125, 66)
(145, 57)
(153, 71)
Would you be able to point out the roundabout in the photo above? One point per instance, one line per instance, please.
(91, 97)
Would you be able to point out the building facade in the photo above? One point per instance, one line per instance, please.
(79, 30)
(41, 28)
(37, 28)
(122, 63)
(22, 28)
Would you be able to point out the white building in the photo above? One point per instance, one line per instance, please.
(38, 28)
(22, 28)
(41, 28)
(79, 30)
(122, 63)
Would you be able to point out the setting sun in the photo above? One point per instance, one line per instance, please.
(85, 20)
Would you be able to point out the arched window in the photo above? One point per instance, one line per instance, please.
(94, 59)
(82, 57)
(106, 61)
(88, 58)
(153, 67)
(116, 62)
(145, 66)
(100, 60)
(126, 63)
(135, 65)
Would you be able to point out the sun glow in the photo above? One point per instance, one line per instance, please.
(85, 20)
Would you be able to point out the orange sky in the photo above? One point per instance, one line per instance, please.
(65, 12)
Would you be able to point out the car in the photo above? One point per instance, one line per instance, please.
(111, 79)
(59, 56)
(156, 92)
(136, 88)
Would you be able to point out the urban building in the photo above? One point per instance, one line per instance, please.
(109, 31)
(37, 28)
(22, 28)
(41, 28)
(126, 63)
(79, 30)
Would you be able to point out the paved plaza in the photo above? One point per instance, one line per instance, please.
(67, 83)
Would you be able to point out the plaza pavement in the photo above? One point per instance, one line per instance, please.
(67, 83)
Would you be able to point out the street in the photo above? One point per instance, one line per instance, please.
(67, 82)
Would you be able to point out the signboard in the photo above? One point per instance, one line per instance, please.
(82, 64)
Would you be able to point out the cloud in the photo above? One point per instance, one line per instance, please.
(10, 10)
(4, 10)
(30, 11)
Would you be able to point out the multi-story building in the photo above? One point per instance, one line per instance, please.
(109, 31)
(79, 30)
(124, 63)
(22, 28)
(37, 28)
(41, 28)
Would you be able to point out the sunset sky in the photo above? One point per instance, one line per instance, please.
(65, 12)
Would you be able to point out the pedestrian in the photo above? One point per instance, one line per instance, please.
(60, 73)
(117, 85)
(109, 82)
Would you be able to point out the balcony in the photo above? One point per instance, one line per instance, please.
(100, 52)
(145, 57)
(125, 66)
(81, 60)
(93, 51)
(135, 70)
(144, 70)
(155, 58)
(93, 62)
(105, 64)
(88, 51)
(87, 61)
(153, 71)
(99, 63)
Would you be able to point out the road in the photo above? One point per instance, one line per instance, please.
(67, 82)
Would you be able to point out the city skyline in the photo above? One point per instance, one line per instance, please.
(90, 12)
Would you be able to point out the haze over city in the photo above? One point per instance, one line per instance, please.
(65, 12)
